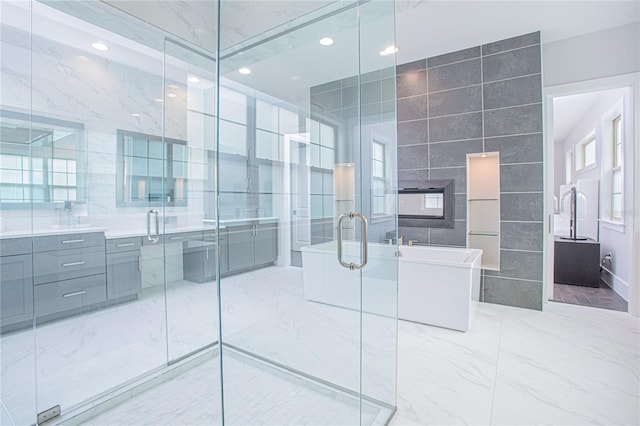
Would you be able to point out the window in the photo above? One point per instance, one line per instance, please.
(322, 157)
(616, 170)
(151, 171)
(378, 179)
(434, 204)
(38, 161)
(587, 153)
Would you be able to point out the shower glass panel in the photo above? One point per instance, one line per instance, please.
(99, 276)
(304, 339)
(17, 349)
(191, 243)
(149, 203)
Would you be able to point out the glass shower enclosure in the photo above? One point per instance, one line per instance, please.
(195, 213)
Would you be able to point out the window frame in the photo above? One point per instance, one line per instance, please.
(616, 166)
(167, 175)
(378, 179)
(581, 147)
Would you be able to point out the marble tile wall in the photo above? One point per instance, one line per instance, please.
(481, 99)
(105, 92)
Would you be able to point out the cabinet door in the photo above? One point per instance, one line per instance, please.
(123, 274)
(239, 242)
(265, 243)
(224, 252)
(16, 289)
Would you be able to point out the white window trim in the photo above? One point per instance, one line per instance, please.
(612, 225)
(606, 196)
(579, 153)
(611, 169)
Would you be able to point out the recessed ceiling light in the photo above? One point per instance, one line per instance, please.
(158, 100)
(484, 156)
(326, 41)
(244, 70)
(171, 95)
(193, 79)
(388, 50)
(98, 45)
(135, 114)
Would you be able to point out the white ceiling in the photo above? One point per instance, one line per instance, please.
(288, 65)
(429, 28)
(568, 111)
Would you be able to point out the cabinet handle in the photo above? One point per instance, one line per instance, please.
(77, 293)
(64, 265)
(175, 238)
(124, 245)
(139, 263)
(206, 253)
(72, 241)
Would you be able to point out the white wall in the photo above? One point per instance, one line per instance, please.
(601, 54)
(56, 80)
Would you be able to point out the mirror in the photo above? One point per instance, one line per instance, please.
(39, 163)
(424, 205)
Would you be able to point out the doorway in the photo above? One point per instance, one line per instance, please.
(590, 193)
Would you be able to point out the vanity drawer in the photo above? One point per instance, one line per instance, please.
(13, 246)
(118, 245)
(65, 264)
(182, 236)
(62, 296)
(68, 241)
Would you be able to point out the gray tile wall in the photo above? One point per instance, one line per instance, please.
(482, 99)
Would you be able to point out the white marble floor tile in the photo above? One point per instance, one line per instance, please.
(566, 365)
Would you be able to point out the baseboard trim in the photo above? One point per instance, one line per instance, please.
(616, 283)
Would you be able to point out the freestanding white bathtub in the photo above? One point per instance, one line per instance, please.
(439, 286)
(436, 286)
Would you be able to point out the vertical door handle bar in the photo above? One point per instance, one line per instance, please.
(149, 237)
(363, 243)
(364, 252)
(340, 220)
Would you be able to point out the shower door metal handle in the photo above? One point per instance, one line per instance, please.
(363, 243)
(157, 220)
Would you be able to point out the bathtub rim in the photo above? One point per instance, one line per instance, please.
(472, 260)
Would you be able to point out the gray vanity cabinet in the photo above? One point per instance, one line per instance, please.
(265, 243)
(240, 246)
(69, 274)
(210, 236)
(124, 276)
(199, 261)
(16, 282)
(251, 246)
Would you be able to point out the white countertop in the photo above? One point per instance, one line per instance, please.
(51, 231)
(208, 225)
(231, 222)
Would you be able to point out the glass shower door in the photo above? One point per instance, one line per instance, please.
(308, 299)
(191, 236)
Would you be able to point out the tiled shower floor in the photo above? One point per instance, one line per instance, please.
(255, 393)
